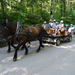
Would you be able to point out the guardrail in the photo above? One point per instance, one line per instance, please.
(2, 40)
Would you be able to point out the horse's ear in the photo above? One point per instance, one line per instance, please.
(3, 23)
(6, 20)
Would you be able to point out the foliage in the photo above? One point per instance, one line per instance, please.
(36, 11)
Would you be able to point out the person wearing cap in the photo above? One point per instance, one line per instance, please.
(57, 26)
(54, 24)
(45, 26)
(70, 29)
(74, 31)
(71, 25)
(50, 23)
(67, 27)
(61, 24)
(54, 27)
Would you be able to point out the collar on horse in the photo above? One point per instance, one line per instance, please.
(19, 32)
(18, 29)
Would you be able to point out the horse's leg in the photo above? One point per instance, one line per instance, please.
(15, 54)
(10, 43)
(26, 49)
(41, 45)
(9, 48)
(28, 44)
(13, 45)
(22, 47)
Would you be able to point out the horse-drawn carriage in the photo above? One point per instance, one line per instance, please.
(56, 37)
(10, 31)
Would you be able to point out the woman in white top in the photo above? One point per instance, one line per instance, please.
(61, 24)
(70, 29)
(45, 26)
(50, 22)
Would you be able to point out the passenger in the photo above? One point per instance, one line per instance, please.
(45, 26)
(74, 31)
(57, 26)
(70, 29)
(61, 24)
(67, 27)
(54, 24)
(50, 23)
(54, 28)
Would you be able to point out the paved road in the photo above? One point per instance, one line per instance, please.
(52, 60)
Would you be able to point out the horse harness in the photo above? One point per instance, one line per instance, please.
(19, 32)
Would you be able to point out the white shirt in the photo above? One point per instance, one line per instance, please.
(44, 26)
(60, 25)
(51, 24)
(70, 29)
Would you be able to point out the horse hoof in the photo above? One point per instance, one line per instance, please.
(26, 54)
(28, 45)
(8, 51)
(14, 59)
(21, 48)
(42, 46)
(37, 50)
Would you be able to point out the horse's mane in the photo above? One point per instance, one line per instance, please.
(11, 23)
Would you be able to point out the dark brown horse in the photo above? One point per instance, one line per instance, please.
(37, 32)
(7, 35)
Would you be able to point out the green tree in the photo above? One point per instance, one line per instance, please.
(2, 7)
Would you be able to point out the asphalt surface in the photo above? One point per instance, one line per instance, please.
(51, 60)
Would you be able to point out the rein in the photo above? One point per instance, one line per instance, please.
(19, 32)
(29, 35)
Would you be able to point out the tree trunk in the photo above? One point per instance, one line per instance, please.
(41, 11)
(51, 9)
(64, 8)
(2, 6)
(32, 9)
(61, 10)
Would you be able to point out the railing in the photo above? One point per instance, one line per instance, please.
(2, 40)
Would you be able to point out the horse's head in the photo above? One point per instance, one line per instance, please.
(3, 29)
(2, 25)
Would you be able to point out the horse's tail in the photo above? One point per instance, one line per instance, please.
(43, 34)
